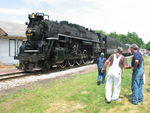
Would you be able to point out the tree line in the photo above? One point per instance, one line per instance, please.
(129, 38)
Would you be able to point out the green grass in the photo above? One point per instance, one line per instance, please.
(81, 89)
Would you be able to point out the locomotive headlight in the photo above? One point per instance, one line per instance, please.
(29, 32)
(33, 31)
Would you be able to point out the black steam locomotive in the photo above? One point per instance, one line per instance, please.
(63, 44)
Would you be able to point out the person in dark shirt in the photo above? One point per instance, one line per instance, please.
(137, 75)
(100, 63)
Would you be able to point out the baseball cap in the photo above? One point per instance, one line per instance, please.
(120, 49)
(134, 46)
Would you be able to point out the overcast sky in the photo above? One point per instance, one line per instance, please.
(121, 16)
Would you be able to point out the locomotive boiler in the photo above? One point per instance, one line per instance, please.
(61, 43)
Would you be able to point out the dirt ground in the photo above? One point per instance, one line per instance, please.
(8, 69)
(7, 66)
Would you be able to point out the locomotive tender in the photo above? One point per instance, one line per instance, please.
(58, 43)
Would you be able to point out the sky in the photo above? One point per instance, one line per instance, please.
(121, 16)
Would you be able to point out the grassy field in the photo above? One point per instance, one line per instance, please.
(76, 94)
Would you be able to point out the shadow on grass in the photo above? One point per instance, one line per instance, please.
(129, 97)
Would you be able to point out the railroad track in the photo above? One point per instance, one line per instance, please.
(20, 74)
(16, 75)
(13, 75)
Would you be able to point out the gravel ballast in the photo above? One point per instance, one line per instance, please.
(8, 84)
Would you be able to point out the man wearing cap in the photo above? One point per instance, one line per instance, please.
(100, 63)
(117, 62)
(137, 75)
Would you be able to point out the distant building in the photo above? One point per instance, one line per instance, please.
(11, 37)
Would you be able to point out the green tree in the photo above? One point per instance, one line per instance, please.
(123, 39)
(116, 36)
(134, 38)
(101, 32)
(148, 46)
(129, 38)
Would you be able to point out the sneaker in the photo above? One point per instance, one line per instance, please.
(108, 102)
(103, 82)
(140, 100)
(134, 103)
(98, 83)
(118, 99)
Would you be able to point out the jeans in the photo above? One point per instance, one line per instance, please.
(137, 85)
(101, 75)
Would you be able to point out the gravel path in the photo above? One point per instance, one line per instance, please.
(8, 84)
